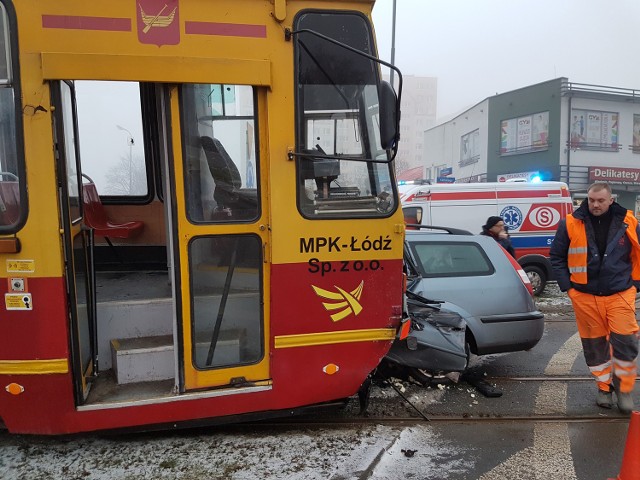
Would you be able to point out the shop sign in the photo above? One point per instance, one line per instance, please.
(528, 176)
(615, 175)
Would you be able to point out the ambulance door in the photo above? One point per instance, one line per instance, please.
(514, 202)
(534, 211)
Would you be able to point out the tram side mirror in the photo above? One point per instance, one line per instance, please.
(389, 112)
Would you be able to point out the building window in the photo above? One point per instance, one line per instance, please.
(594, 130)
(524, 134)
(469, 148)
(635, 148)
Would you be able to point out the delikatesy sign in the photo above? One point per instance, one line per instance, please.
(509, 176)
(615, 175)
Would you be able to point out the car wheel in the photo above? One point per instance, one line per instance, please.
(428, 378)
(537, 277)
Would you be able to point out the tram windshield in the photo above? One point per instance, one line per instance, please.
(338, 121)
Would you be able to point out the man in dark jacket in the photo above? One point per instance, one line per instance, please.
(494, 228)
(596, 259)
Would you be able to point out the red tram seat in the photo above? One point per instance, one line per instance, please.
(9, 202)
(96, 218)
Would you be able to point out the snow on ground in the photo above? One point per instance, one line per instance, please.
(553, 302)
(552, 296)
(331, 453)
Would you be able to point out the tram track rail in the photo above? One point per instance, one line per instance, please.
(340, 421)
(423, 416)
(544, 378)
(410, 421)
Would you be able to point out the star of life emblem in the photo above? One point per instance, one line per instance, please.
(512, 217)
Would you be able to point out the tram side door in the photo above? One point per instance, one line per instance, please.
(76, 239)
(221, 237)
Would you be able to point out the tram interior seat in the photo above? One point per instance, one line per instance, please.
(228, 194)
(96, 217)
(322, 170)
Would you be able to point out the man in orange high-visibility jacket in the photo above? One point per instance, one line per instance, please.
(596, 259)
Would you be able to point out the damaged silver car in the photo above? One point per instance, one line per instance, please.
(465, 295)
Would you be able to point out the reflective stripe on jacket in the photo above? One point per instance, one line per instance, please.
(577, 253)
(578, 248)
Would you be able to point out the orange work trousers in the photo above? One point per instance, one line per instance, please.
(609, 331)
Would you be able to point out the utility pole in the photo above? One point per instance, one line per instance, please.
(393, 42)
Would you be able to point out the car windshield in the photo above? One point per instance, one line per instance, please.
(446, 259)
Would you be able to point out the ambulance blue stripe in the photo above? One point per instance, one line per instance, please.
(531, 242)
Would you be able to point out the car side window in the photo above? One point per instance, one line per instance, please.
(444, 259)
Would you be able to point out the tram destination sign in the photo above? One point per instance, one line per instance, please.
(615, 175)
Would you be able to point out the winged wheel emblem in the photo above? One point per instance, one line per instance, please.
(342, 302)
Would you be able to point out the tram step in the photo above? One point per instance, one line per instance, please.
(129, 319)
(147, 359)
(143, 359)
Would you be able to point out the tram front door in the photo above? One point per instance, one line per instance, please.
(78, 264)
(221, 236)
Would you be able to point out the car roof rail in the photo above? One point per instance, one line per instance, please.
(449, 230)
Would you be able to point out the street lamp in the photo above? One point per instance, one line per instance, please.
(131, 143)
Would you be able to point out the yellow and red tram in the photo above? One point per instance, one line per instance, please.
(198, 212)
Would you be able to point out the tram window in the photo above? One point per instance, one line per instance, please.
(12, 180)
(71, 160)
(337, 121)
(225, 272)
(10, 204)
(5, 58)
(111, 137)
(221, 163)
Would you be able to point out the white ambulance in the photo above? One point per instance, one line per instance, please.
(531, 212)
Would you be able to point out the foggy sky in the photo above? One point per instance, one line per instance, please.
(477, 48)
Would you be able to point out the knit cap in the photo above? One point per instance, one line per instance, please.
(491, 222)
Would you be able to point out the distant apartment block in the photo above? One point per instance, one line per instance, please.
(418, 113)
